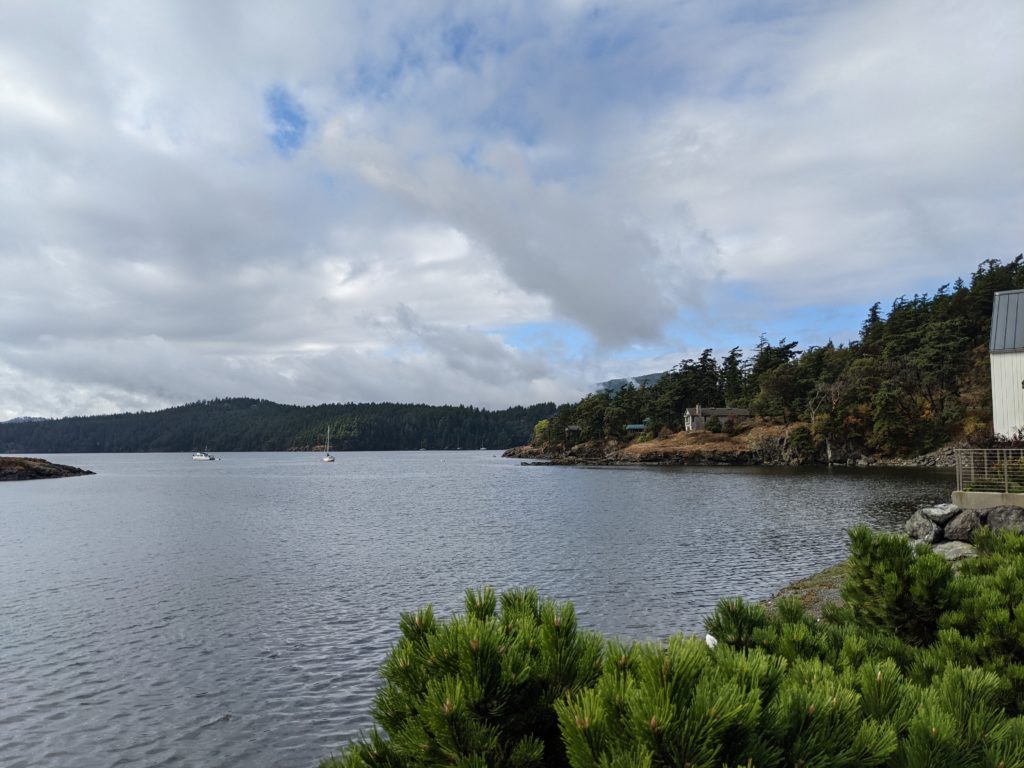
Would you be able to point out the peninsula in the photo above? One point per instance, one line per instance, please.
(23, 468)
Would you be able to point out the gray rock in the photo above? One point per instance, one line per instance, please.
(920, 528)
(955, 550)
(941, 513)
(1006, 519)
(962, 527)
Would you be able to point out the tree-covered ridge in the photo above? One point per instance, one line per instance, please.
(244, 424)
(916, 378)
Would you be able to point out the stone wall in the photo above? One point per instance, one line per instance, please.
(950, 530)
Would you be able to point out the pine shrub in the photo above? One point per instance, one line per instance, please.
(479, 689)
(895, 587)
(921, 668)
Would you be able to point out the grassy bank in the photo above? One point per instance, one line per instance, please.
(816, 591)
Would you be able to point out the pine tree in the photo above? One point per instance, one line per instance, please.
(479, 689)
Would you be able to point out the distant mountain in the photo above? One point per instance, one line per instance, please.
(24, 420)
(245, 424)
(614, 385)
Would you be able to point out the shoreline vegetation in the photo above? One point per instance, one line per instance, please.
(759, 442)
(816, 591)
(919, 665)
(27, 468)
(249, 424)
(915, 381)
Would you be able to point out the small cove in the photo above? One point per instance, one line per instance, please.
(170, 612)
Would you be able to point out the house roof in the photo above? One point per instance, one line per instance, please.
(717, 411)
(1007, 322)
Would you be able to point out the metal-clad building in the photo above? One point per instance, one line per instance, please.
(1006, 351)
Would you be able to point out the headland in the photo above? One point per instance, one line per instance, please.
(25, 468)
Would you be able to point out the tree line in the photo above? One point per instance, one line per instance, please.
(246, 424)
(916, 378)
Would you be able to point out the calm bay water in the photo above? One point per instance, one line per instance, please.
(170, 612)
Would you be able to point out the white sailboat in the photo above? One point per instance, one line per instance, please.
(203, 456)
(327, 456)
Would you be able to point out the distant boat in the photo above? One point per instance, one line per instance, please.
(203, 456)
(327, 456)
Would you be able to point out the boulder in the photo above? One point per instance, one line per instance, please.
(1006, 519)
(962, 527)
(955, 550)
(940, 514)
(920, 528)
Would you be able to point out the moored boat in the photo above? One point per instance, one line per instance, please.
(327, 456)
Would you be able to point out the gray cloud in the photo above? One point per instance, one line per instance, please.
(622, 172)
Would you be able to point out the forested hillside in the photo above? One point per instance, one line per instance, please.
(243, 424)
(916, 378)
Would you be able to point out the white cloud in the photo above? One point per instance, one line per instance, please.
(620, 171)
(885, 157)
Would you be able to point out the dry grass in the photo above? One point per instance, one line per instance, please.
(704, 442)
(21, 468)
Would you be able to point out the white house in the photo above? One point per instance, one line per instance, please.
(695, 419)
(1006, 353)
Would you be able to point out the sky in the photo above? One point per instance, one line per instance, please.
(480, 203)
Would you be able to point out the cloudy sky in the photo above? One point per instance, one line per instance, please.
(486, 203)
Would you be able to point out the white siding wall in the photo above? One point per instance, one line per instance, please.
(1007, 392)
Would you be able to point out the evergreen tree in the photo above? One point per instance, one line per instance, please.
(733, 378)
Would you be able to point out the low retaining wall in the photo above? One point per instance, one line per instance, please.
(987, 499)
(949, 528)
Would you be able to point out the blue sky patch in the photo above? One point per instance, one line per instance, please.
(460, 43)
(288, 118)
(565, 337)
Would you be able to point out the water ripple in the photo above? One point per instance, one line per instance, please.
(160, 613)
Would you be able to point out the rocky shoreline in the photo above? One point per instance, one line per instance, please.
(613, 454)
(24, 468)
(946, 528)
(817, 590)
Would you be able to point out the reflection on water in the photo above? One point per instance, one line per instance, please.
(170, 612)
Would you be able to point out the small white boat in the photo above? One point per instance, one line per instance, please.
(327, 456)
(203, 456)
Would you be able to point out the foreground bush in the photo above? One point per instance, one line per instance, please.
(921, 667)
(480, 689)
(686, 706)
